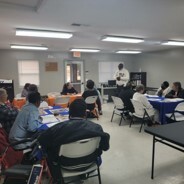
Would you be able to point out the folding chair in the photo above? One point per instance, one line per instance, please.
(62, 101)
(19, 173)
(75, 153)
(140, 113)
(91, 100)
(119, 108)
(178, 113)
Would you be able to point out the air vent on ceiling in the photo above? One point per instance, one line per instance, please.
(80, 25)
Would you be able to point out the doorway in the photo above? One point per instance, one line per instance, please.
(74, 73)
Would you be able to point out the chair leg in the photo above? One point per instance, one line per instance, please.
(99, 176)
(112, 116)
(121, 120)
(132, 121)
(141, 125)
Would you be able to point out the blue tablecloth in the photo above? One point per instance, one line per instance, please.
(163, 107)
(61, 111)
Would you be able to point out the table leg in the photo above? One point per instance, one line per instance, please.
(153, 159)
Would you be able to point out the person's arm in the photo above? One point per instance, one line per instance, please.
(170, 94)
(145, 102)
(74, 90)
(34, 121)
(126, 76)
(116, 75)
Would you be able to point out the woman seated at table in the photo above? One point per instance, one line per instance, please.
(68, 89)
(164, 89)
(139, 96)
(8, 113)
(176, 92)
(25, 90)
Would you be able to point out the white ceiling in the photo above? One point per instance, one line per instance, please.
(153, 20)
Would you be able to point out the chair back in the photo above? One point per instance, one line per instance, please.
(61, 100)
(79, 148)
(138, 107)
(53, 94)
(180, 107)
(91, 99)
(117, 102)
(18, 95)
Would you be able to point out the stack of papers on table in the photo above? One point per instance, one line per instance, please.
(49, 119)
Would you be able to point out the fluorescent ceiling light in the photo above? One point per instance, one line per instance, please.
(121, 39)
(174, 43)
(40, 33)
(128, 52)
(28, 47)
(85, 50)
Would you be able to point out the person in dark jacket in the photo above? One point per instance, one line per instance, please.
(68, 89)
(25, 90)
(126, 94)
(91, 91)
(176, 92)
(76, 128)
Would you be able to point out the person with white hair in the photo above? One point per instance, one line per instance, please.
(8, 113)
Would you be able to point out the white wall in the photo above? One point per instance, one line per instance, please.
(160, 66)
(53, 81)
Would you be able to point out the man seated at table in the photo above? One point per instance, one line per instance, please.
(8, 113)
(164, 89)
(126, 94)
(176, 92)
(76, 128)
(139, 96)
(27, 122)
(68, 89)
(91, 91)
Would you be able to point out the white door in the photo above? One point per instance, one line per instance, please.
(74, 73)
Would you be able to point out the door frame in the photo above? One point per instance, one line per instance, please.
(66, 61)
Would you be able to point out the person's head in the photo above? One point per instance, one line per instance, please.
(90, 84)
(165, 85)
(176, 86)
(69, 85)
(140, 88)
(77, 109)
(129, 85)
(34, 98)
(26, 86)
(120, 66)
(3, 95)
(33, 88)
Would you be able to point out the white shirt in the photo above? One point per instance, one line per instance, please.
(165, 92)
(124, 77)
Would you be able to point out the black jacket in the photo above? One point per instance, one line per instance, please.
(126, 94)
(171, 94)
(65, 91)
(70, 131)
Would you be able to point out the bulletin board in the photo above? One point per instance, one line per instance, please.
(51, 66)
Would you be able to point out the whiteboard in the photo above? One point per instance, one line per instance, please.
(107, 69)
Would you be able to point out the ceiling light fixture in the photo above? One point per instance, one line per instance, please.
(28, 47)
(85, 50)
(42, 33)
(174, 43)
(128, 52)
(122, 39)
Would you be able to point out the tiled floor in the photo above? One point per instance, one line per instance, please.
(129, 159)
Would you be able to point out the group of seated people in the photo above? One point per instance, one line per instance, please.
(127, 93)
(24, 123)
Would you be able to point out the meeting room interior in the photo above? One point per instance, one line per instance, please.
(91, 91)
